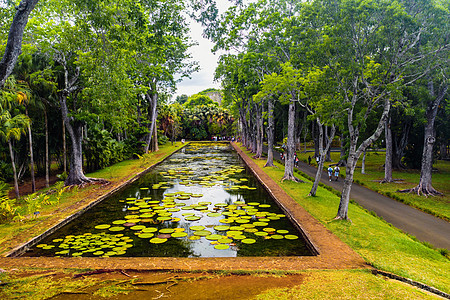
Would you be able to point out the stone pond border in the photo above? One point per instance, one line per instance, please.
(331, 253)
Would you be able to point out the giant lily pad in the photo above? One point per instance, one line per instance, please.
(158, 240)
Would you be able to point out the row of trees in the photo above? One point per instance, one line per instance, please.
(352, 67)
(95, 71)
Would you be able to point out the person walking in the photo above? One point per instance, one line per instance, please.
(336, 172)
(309, 160)
(330, 172)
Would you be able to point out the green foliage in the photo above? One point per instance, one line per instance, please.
(199, 99)
(101, 150)
(8, 210)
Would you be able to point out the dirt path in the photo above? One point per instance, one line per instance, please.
(423, 226)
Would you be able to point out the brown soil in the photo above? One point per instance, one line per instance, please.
(171, 285)
(25, 188)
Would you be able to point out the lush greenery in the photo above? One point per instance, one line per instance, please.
(380, 244)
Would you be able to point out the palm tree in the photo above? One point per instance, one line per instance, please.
(12, 128)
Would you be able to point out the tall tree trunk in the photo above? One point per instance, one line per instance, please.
(425, 185)
(363, 164)
(47, 160)
(399, 146)
(30, 140)
(315, 137)
(322, 153)
(389, 150)
(76, 175)
(13, 163)
(64, 145)
(328, 152)
(342, 160)
(305, 121)
(270, 133)
(259, 133)
(355, 153)
(155, 146)
(290, 147)
(153, 100)
(14, 45)
(349, 171)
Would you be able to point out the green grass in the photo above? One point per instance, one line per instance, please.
(345, 284)
(379, 243)
(15, 233)
(438, 206)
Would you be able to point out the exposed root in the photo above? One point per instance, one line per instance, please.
(83, 182)
(337, 218)
(292, 178)
(420, 190)
(101, 271)
(270, 165)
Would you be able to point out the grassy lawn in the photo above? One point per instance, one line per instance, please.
(15, 233)
(438, 206)
(379, 243)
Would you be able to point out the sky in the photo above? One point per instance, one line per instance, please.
(201, 53)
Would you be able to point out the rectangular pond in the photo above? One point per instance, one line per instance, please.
(201, 202)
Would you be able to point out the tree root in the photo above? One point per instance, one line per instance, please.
(291, 178)
(270, 165)
(101, 271)
(337, 218)
(420, 190)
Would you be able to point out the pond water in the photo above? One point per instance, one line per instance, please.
(201, 202)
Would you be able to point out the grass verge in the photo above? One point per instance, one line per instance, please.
(438, 206)
(380, 244)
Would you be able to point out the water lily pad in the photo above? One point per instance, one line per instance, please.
(192, 218)
(137, 227)
(164, 218)
(269, 229)
(214, 214)
(129, 224)
(261, 224)
(175, 220)
(197, 195)
(260, 233)
(167, 230)
(225, 241)
(237, 228)
(248, 241)
(239, 237)
(179, 234)
(291, 237)
(158, 240)
(214, 237)
(221, 247)
(277, 237)
(116, 228)
(202, 232)
(221, 227)
(242, 221)
(282, 231)
(119, 222)
(221, 204)
(197, 228)
(226, 221)
(145, 235)
(194, 237)
(149, 230)
(77, 254)
(98, 252)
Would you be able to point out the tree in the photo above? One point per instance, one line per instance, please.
(12, 127)
(14, 44)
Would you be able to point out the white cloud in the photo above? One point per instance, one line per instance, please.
(201, 53)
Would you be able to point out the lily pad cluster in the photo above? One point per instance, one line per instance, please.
(89, 244)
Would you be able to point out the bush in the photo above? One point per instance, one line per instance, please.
(101, 150)
(8, 210)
